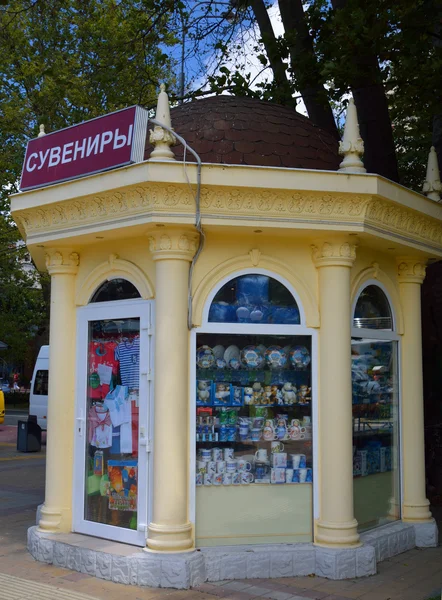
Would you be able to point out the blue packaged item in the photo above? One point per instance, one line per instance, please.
(237, 395)
(252, 289)
(221, 312)
(295, 478)
(221, 393)
(302, 462)
(309, 477)
(231, 433)
(284, 315)
(223, 433)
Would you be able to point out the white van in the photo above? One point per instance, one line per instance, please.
(38, 399)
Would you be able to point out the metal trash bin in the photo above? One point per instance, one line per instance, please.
(28, 436)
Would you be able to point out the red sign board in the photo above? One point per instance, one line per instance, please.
(100, 144)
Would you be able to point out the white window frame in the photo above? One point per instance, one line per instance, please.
(367, 334)
(120, 309)
(253, 329)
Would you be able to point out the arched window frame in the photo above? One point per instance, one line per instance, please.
(263, 329)
(379, 334)
(108, 280)
(247, 327)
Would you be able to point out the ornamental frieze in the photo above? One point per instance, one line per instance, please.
(146, 199)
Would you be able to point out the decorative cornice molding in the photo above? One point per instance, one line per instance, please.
(169, 243)
(146, 201)
(64, 262)
(334, 253)
(410, 270)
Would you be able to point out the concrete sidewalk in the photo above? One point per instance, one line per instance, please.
(414, 575)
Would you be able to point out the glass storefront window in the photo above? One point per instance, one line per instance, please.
(112, 422)
(256, 299)
(253, 410)
(375, 414)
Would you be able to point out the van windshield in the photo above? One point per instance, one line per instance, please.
(41, 383)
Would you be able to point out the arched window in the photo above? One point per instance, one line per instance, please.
(375, 391)
(372, 310)
(115, 289)
(257, 299)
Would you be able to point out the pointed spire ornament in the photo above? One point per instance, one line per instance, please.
(352, 146)
(432, 185)
(42, 131)
(159, 137)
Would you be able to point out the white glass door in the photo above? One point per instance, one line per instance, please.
(112, 430)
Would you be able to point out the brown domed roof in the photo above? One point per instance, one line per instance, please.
(244, 131)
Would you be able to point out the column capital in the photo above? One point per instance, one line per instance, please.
(168, 243)
(334, 253)
(62, 261)
(410, 270)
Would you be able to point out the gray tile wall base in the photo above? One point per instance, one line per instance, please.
(122, 563)
(427, 534)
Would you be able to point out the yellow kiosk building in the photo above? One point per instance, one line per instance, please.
(235, 381)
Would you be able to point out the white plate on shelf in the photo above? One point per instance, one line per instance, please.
(218, 351)
(231, 352)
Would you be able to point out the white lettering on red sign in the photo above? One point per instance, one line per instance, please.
(79, 149)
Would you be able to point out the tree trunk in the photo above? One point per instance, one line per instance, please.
(372, 106)
(310, 79)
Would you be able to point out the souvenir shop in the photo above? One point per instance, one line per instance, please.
(253, 392)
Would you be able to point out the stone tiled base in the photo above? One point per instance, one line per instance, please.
(130, 565)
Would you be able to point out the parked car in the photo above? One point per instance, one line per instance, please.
(4, 386)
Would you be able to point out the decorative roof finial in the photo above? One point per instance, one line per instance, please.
(159, 137)
(42, 131)
(352, 146)
(432, 184)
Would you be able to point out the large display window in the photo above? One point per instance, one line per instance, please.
(112, 417)
(375, 411)
(253, 417)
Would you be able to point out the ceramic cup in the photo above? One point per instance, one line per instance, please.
(229, 453)
(276, 447)
(201, 466)
(243, 430)
(289, 475)
(261, 455)
(231, 433)
(208, 478)
(295, 478)
(261, 470)
(227, 478)
(243, 465)
(306, 421)
(221, 466)
(298, 461)
(236, 478)
(217, 454)
(302, 475)
(206, 454)
(199, 479)
(211, 467)
(255, 434)
(218, 479)
(231, 465)
(246, 477)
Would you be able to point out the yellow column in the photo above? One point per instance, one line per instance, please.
(170, 529)
(56, 513)
(336, 525)
(411, 273)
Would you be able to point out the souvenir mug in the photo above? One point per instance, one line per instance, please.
(306, 421)
(255, 434)
(261, 455)
(230, 465)
(261, 470)
(201, 466)
(276, 447)
(246, 477)
(227, 478)
(206, 454)
(208, 478)
(277, 475)
(217, 479)
(298, 461)
(279, 459)
(228, 453)
(302, 475)
(211, 467)
(221, 466)
(243, 465)
(295, 478)
(258, 422)
(236, 478)
(199, 479)
(289, 475)
(217, 454)
(243, 430)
